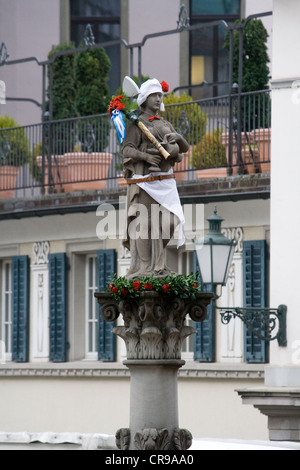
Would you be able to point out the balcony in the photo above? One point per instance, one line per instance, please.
(80, 159)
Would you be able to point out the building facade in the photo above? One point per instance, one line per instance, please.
(61, 366)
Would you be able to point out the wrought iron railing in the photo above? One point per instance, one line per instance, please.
(227, 135)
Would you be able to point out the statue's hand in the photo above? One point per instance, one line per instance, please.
(171, 138)
(153, 157)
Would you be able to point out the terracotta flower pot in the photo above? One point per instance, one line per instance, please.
(78, 171)
(8, 179)
(262, 138)
(180, 168)
(212, 173)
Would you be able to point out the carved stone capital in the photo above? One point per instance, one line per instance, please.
(154, 322)
(160, 439)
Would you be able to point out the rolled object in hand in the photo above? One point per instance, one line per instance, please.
(134, 118)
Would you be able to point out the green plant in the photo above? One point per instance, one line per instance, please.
(79, 88)
(255, 110)
(195, 116)
(209, 152)
(63, 82)
(14, 144)
(181, 286)
(255, 56)
(91, 76)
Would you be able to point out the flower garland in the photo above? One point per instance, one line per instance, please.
(181, 286)
(122, 103)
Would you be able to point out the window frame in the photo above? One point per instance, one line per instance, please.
(6, 324)
(95, 22)
(91, 355)
(202, 18)
(186, 266)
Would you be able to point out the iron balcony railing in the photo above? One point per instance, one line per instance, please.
(228, 135)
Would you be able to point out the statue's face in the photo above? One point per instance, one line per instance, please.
(153, 102)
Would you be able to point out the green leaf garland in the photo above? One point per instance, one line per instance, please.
(178, 285)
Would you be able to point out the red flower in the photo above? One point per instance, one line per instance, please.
(125, 291)
(136, 285)
(148, 286)
(121, 106)
(116, 104)
(195, 285)
(115, 290)
(166, 287)
(165, 86)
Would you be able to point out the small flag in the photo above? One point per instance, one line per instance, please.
(119, 122)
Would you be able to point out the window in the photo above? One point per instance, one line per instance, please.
(91, 308)
(215, 7)
(104, 17)
(6, 309)
(188, 344)
(208, 58)
(186, 262)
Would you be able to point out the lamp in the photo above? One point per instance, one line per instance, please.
(215, 253)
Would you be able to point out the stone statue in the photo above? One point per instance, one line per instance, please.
(153, 205)
(153, 326)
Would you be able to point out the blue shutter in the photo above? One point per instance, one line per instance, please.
(254, 291)
(107, 265)
(20, 308)
(204, 339)
(58, 306)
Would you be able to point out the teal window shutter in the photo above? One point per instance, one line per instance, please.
(204, 350)
(58, 306)
(20, 308)
(204, 339)
(107, 266)
(254, 292)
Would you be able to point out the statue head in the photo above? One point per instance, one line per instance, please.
(148, 88)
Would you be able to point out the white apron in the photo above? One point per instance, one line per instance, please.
(165, 193)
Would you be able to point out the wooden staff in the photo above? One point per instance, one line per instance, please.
(134, 118)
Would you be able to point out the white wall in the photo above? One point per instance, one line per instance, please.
(285, 188)
(29, 28)
(160, 56)
(66, 403)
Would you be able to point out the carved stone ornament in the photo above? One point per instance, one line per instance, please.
(152, 439)
(41, 252)
(182, 439)
(123, 438)
(155, 439)
(153, 322)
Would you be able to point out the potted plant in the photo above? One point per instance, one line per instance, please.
(209, 157)
(14, 152)
(187, 119)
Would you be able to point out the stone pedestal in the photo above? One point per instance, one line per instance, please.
(282, 407)
(153, 332)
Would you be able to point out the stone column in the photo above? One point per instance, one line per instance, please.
(153, 332)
